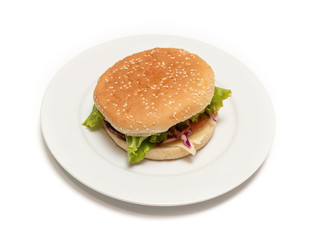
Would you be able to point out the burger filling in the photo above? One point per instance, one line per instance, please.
(138, 146)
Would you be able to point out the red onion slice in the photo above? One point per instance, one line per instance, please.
(212, 117)
(185, 140)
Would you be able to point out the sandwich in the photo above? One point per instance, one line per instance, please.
(159, 104)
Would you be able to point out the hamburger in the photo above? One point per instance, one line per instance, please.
(158, 104)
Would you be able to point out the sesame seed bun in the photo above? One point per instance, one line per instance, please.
(150, 91)
(169, 151)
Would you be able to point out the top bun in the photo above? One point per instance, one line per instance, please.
(151, 91)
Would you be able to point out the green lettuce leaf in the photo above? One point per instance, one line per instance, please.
(220, 94)
(95, 119)
(196, 116)
(158, 137)
(137, 148)
(133, 143)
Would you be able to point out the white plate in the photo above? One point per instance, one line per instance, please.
(242, 139)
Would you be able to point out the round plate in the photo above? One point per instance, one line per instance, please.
(242, 139)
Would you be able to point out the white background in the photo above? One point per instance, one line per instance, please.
(278, 40)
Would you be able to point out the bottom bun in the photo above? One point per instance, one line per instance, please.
(171, 150)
